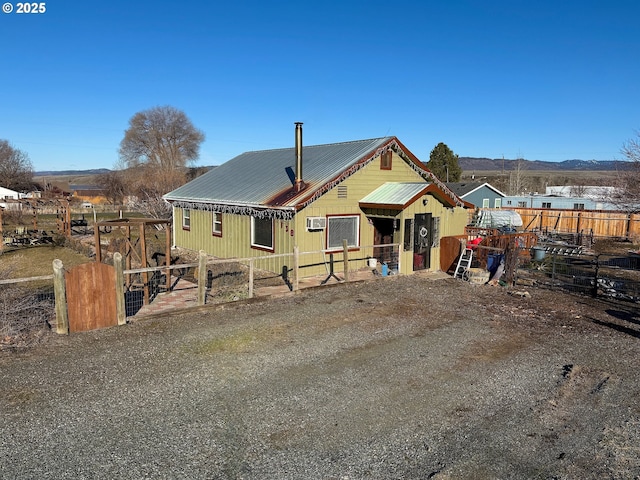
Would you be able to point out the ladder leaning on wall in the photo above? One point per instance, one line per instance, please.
(464, 263)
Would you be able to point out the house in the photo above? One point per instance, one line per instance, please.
(536, 200)
(9, 199)
(368, 192)
(93, 194)
(481, 195)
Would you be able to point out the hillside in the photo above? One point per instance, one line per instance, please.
(499, 164)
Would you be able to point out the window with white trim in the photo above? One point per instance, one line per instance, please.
(186, 219)
(497, 203)
(262, 233)
(341, 228)
(216, 224)
(485, 203)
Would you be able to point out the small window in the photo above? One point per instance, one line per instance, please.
(408, 234)
(186, 219)
(578, 206)
(508, 202)
(343, 228)
(385, 160)
(435, 241)
(522, 204)
(262, 233)
(485, 203)
(546, 204)
(216, 227)
(497, 203)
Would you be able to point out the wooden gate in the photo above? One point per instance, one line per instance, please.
(91, 297)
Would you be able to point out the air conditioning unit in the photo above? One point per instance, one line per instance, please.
(316, 223)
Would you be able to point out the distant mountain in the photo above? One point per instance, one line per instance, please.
(481, 164)
(53, 173)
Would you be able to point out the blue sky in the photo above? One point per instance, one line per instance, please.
(545, 80)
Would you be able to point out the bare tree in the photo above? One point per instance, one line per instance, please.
(16, 170)
(162, 141)
(517, 183)
(627, 192)
(114, 186)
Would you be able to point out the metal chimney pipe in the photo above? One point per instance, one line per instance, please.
(299, 184)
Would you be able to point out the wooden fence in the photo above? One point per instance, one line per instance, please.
(201, 269)
(599, 223)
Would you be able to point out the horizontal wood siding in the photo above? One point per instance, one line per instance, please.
(235, 241)
(357, 186)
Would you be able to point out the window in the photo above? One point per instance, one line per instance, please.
(216, 227)
(578, 206)
(385, 160)
(343, 228)
(186, 219)
(408, 234)
(497, 203)
(485, 203)
(522, 204)
(435, 242)
(509, 203)
(262, 233)
(546, 204)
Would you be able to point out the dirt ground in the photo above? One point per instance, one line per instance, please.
(393, 378)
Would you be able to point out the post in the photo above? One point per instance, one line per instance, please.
(345, 256)
(143, 261)
(121, 312)
(167, 249)
(251, 278)
(96, 239)
(60, 292)
(399, 257)
(594, 290)
(296, 268)
(202, 277)
(1, 237)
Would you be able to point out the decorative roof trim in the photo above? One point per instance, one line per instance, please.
(274, 213)
(426, 173)
(394, 145)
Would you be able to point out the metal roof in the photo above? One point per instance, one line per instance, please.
(395, 193)
(256, 178)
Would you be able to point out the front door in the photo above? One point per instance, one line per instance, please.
(422, 238)
(383, 235)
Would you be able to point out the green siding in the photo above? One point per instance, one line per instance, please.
(341, 200)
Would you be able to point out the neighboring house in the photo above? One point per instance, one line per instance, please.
(556, 202)
(592, 192)
(9, 199)
(88, 193)
(481, 195)
(369, 192)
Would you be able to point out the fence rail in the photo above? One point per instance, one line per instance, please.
(213, 280)
(598, 223)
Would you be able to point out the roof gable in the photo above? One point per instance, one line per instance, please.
(462, 189)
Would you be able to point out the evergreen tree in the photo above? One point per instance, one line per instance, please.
(444, 164)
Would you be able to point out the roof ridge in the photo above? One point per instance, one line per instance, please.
(322, 144)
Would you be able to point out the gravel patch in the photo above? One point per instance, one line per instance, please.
(394, 378)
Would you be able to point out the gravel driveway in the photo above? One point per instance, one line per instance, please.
(394, 378)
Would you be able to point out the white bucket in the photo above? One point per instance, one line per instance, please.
(372, 262)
